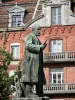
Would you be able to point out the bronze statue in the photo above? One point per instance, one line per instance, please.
(32, 71)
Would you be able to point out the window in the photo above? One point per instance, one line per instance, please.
(16, 16)
(55, 46)
(56, 15)
(56, 75)
(16, 20)
(15, 49)
(11, 73)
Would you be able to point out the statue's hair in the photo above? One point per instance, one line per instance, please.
(35, 27)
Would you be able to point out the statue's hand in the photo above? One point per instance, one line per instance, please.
(43, 46)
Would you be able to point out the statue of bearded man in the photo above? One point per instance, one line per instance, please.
(32, 71)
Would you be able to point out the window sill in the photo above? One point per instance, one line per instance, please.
(16, 59)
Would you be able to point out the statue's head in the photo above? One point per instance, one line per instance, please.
(36, 30)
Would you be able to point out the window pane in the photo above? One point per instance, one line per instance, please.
(54, 22)
(16, 20)
(54, 76)
(50, 78)
(56, 46)
(53, 16)
(13, 50)
(62, 77)
(53, 10)
(59, 22)
(58, 75)
(59, 9)
(54, 42)
(54, 81)
(59, 17)
(59, 13)
(59, 78)
(59, 81)
(56, 15)
(13, 20)
(16, 51)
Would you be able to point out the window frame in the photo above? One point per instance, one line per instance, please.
(56, 15)
(15, 44)
(57, 80)
(16, 10)
(15, 23)
(56, 45)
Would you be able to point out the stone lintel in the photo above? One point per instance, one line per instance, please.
(32, 98)
(28, 98)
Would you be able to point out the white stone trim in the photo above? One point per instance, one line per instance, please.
(14, 62)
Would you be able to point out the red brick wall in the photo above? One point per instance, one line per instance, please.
(66, 33)
(69, 74)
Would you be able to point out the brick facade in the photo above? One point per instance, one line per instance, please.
(58, 32)
(67, 34)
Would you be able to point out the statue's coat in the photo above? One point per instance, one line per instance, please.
(33, 60)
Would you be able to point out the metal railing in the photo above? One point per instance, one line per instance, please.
(59, 88)
(59, 57)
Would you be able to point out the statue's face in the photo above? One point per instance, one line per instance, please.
(37, 32)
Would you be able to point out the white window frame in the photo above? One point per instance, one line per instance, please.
(15, 23)
(57, 72)
(56, 15)
(15, 14)
(15, 44)
(16, 10)
(56, 49)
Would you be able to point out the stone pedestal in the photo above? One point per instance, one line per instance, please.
(32, 98)
(28, 98)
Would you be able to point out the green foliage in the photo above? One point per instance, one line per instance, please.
(18, 71)
(16, 76)
(5, 59)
